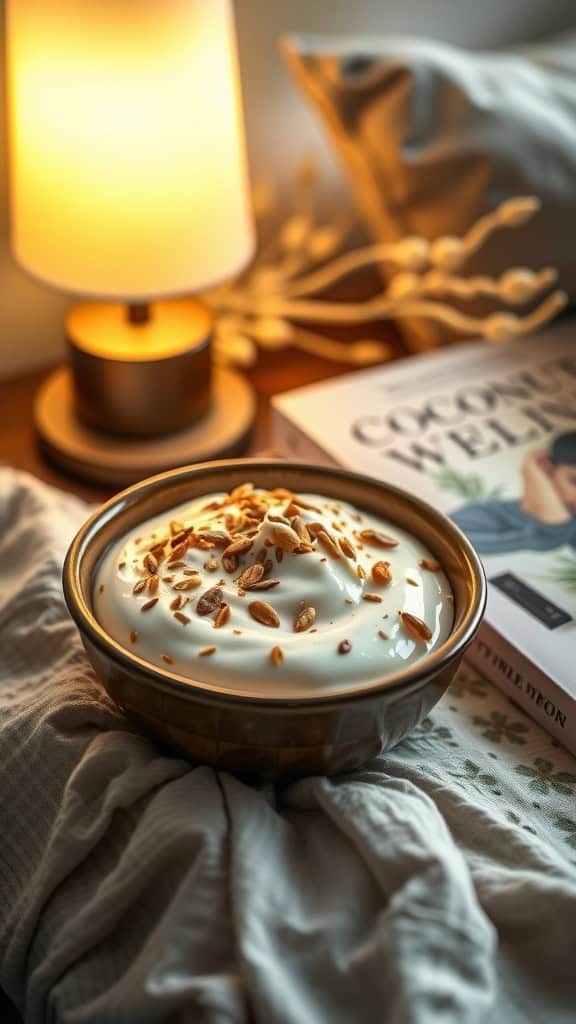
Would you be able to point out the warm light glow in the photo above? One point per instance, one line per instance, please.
(102, 329)
(128, 172)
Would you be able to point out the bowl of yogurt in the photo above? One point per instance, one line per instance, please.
(274, 619)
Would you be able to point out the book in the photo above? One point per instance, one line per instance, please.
(487, 434)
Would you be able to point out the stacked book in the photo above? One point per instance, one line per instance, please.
(488, 435)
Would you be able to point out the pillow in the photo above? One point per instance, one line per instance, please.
(433, 136)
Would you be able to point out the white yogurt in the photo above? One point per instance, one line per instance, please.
(359, 633)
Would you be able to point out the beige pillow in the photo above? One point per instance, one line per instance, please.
(433, 136)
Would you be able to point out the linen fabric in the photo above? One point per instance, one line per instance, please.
(433, 136)
(438, 883)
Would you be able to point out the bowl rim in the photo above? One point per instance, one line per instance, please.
(418, 673)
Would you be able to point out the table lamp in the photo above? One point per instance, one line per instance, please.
(129, 187)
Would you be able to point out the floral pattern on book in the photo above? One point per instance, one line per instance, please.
(469, 745)
(544, 778)
(497, 727)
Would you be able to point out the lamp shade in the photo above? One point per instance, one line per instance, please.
(127, 162)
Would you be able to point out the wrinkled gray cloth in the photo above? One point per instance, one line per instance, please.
(136, 887)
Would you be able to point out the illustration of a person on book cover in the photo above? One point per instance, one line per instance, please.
(542, 519)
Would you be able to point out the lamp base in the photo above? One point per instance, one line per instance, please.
(119, 461)
(141, 371)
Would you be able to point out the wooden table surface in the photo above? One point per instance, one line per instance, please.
(275, 372)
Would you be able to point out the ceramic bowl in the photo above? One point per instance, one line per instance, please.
(273, 737)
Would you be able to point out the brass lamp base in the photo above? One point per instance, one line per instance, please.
(141, 370)
(117, 461)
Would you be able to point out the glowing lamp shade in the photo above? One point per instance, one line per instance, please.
(127, 163)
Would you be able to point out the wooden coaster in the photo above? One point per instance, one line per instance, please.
(119, 461)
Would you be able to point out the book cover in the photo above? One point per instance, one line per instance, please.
(488, 435)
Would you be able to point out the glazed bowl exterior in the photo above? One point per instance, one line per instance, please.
(273, 737)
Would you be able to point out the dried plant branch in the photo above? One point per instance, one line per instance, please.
(416, 253)
(259, 308)
(512, 213)
(380, 307)
(349, 262)
(362, 352)
(514, 287)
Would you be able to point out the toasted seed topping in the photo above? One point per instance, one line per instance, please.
(265, 584)
(238, 547)
(329, 544)
(242, 537)
(180, 538)
(229, 563)
(381, 540)
(209, 601)
(300, 528)
(415, 627)
(292, 510)
(381, 573)
(277, 518)
(207, 651)
(429, 564)
(157, 550)
(242, 491)
(304, 549)
(305, 618)
(315, 528)
(251, 575)
(346, 548)
(184, 619)
(264, 613)
(190, 583)
(153, 582)
(276, 656)
(180, 550)
(284, 537)
(302, 503)
(215, 538)
(222, 616)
